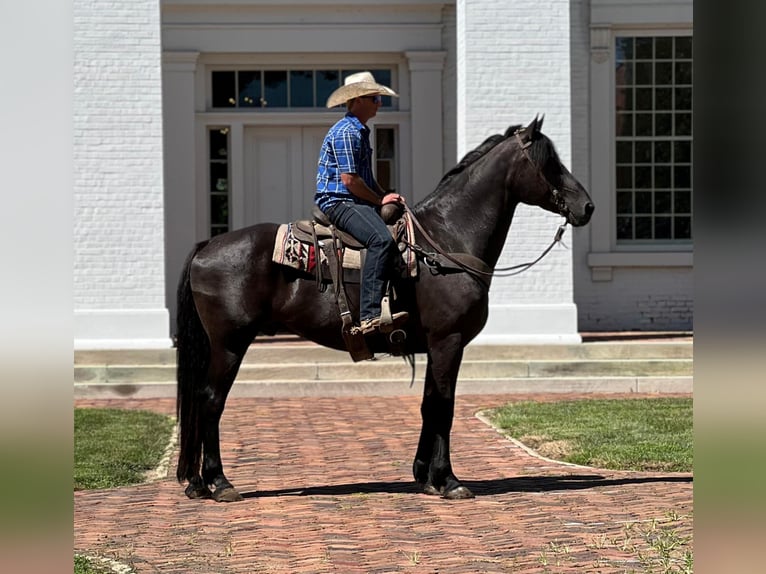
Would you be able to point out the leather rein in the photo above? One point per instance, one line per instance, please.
(473, 265)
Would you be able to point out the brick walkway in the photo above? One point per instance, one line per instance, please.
(325, 493)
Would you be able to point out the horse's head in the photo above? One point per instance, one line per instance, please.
(541, 178)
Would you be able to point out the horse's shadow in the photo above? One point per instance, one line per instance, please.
(479, 487)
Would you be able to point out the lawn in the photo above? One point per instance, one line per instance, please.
(619, 434)
(116, 447)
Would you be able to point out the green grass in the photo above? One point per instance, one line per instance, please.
(629, 434)
(83, 565)
(115, 447)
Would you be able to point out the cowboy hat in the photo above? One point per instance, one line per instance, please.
(356, 85)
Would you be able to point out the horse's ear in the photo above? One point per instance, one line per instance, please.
(540, 122)
(533, 128)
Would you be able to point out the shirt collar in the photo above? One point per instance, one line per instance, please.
(359, 125)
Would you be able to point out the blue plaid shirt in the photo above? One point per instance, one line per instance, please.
(345, 149)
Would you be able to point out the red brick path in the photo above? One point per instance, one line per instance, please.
(325, 492)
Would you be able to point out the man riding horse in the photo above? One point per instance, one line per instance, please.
(348, 194)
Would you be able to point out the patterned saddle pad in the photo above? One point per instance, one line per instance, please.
(293, 250)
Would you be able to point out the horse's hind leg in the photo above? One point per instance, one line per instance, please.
(224, 365)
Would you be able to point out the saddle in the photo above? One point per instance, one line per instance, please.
(316, 246)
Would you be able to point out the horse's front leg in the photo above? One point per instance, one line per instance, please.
(432, 467)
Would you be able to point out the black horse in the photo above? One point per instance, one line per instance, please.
(230, 291)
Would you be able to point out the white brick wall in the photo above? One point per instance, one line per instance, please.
(513, 63)
(118, 192)
(639, 299)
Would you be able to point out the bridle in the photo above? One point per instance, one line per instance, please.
(473, 265)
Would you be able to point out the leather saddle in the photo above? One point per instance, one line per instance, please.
(304, 230)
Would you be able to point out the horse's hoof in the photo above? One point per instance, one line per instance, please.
(431, 490)
(193, 491)
(227, 495)
(459, 493)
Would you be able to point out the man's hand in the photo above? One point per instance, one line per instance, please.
(392, 198)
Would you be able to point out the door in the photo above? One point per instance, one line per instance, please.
(280, 172)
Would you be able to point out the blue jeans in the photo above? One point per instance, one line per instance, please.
(364, 223)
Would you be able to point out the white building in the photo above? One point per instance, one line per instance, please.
(193, 117)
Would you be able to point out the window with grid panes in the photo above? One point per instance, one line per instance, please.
(293, 89)
(653, 138)
(218, 143)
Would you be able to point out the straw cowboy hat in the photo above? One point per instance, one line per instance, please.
(356, 85)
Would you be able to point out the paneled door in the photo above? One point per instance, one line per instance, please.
(280, 172)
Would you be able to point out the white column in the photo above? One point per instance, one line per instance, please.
(426, 117)
(119, 265)
(511, 67)
(178, 108)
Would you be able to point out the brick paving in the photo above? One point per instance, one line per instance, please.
(325, 492)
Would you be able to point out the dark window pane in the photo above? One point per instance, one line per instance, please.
(644, 76)
(663, 125)
(624, 125)
(218, 229)
(663, 99)
(327, 81)
(219, 176)
(644, 99)
(662, 227)
(250, 89)
(683, 72)
(683, 47)
(219, 209)
(663, 73)
(663, 48)
(643, 227)
(643, 177)
(683, 99)
(620, 100)
(682, 177)
(629, 105)
(383, 77)
(302, 89)
(275, 88)
(661, 152)
(683, 227)
(643, 202)
(644, 48)
(643, 152)
(383, 173)
(682, 152)
(683, 124)
(624, 152)
(643, 124)
(682, 202)
(224, 90)
(384, 142)
(624, 228)
(219, 144)
(661, 177)
(624, 202)
(662, 202)
(623, 48)
(624, 75)
(624, 177)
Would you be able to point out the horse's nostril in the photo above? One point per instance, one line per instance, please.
(589, 207)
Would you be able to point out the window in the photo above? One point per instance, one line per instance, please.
(653, 139)
(385, 157)
(298, 89)
(218, 139)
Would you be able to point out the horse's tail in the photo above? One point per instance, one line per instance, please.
(192, 360)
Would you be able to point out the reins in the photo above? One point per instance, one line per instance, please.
(432, 260)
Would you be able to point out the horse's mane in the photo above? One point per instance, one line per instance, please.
(539, 152)
(473, 155)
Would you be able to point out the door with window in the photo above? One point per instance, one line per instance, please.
(280, 172)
